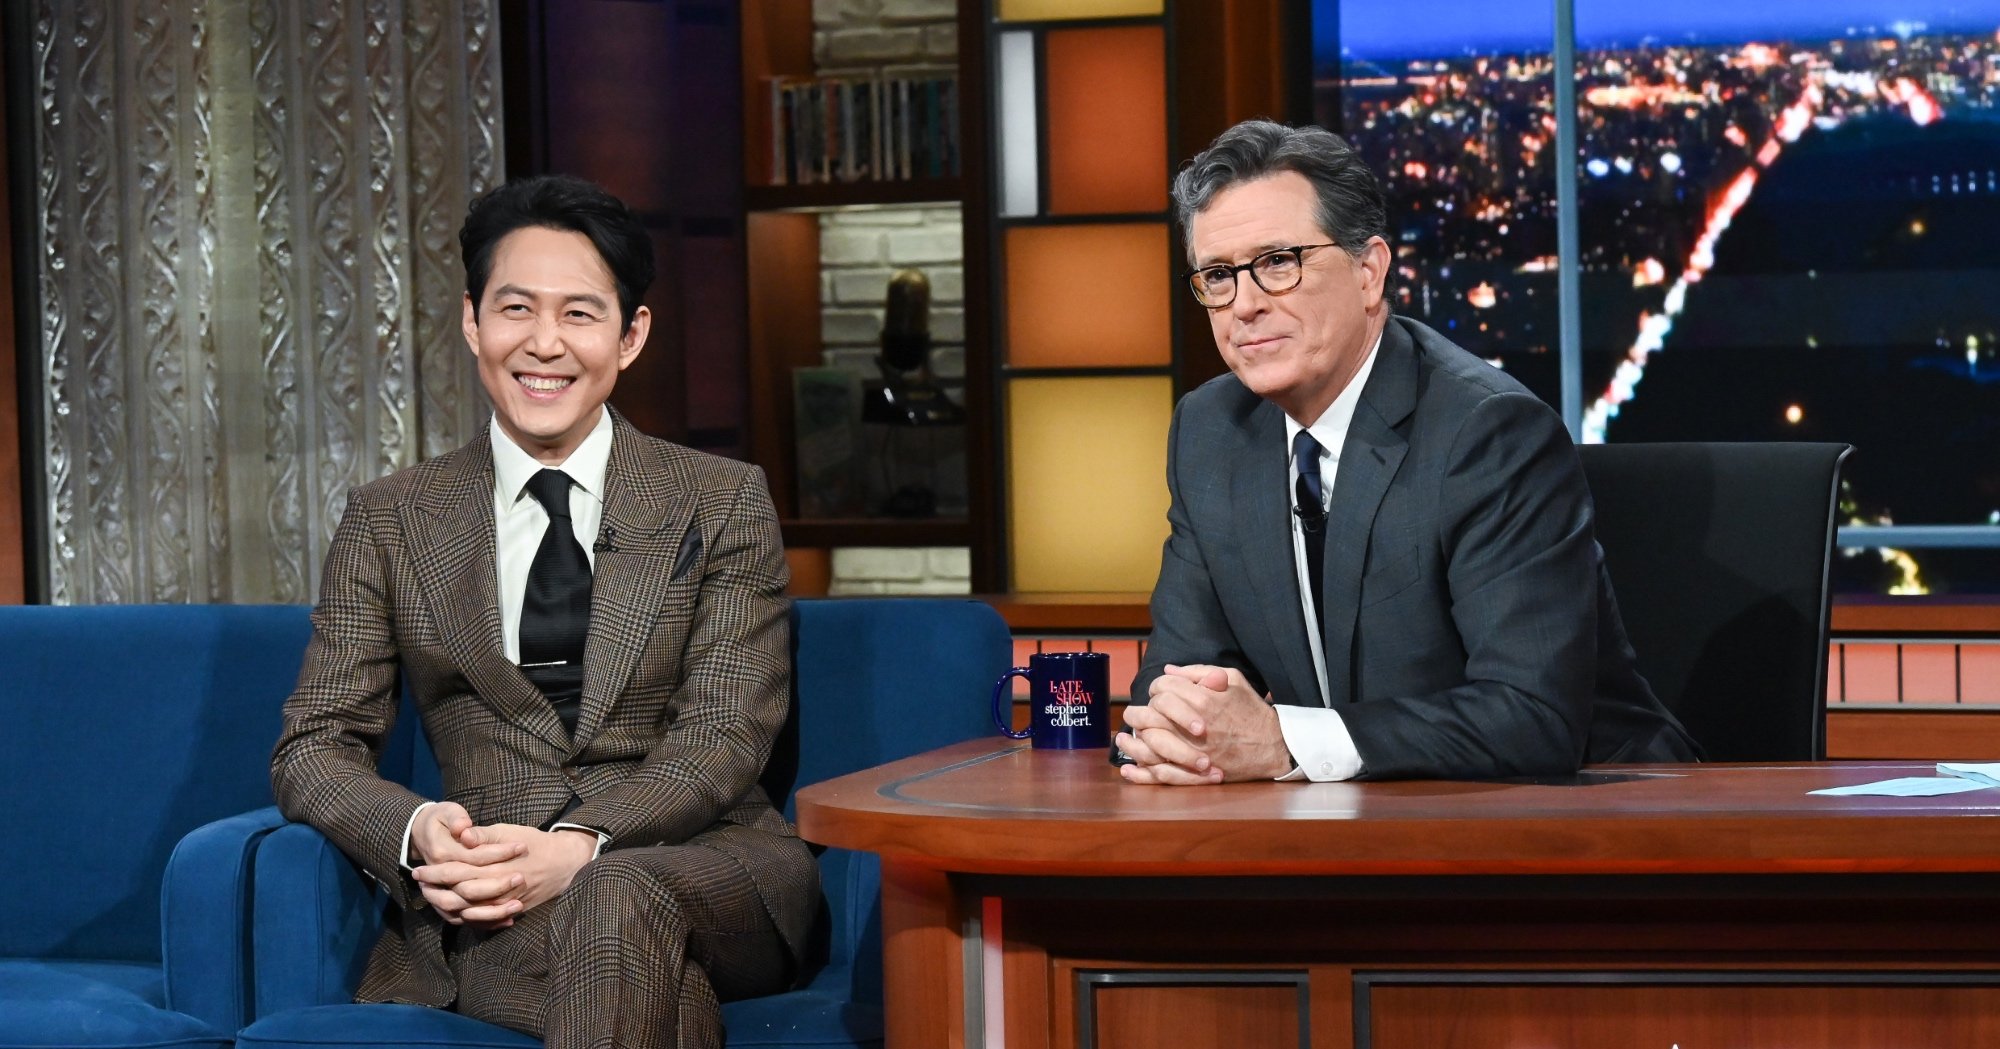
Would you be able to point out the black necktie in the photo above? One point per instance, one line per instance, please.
(1311, 511)
(555, 610)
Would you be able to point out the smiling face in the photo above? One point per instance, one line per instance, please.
(1297, 349)
(549, 340)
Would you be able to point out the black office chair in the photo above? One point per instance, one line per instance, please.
(1718, 555)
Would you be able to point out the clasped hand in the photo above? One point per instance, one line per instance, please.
(1202, 724)
(486, 876)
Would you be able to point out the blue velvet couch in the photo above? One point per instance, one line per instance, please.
(875, 680)
(124, 921)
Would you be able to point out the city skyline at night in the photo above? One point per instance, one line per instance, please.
(1448, 28)
(1787, 232)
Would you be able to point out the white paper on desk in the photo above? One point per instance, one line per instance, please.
(1908, 787)
(1986, 772)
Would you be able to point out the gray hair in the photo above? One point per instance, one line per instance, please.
(1350, 207)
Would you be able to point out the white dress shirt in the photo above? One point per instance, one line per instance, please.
(519, 521)
(518, 524)
(1316, 736)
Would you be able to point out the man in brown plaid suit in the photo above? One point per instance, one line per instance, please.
(603, 868)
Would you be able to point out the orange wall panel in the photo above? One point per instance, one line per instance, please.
(1124, 664)
(1979, 667)
(1930, 673)
(1087, 493)
(1040, 10)
(1023, 648)
(1870, 672)
(1084, 296)
(1107, 120)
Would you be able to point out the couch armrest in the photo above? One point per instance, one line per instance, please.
(316, 918)
(205, 915)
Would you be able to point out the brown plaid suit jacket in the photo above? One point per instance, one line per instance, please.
(686, 682)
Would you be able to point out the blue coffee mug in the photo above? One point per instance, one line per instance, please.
(1069, 700)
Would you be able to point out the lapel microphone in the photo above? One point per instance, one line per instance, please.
(607, 541)
(1311, 518)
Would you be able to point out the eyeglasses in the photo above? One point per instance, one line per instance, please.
(1276, 271)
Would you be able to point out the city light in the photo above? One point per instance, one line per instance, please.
(1673, 141)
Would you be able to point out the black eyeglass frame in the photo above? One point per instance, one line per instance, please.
(1234, 271)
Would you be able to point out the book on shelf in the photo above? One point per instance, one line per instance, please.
(883, 127)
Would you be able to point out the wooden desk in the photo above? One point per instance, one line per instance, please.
(1853, 615)
(1032, 899)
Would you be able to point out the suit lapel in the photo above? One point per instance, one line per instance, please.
(1258, 486)
(450, 530)
(1368, 463)
(647, 512)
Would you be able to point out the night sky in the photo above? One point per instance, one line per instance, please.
(1378, 29)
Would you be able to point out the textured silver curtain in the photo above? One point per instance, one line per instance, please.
(249, 279)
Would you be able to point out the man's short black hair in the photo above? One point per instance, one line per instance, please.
(562, 202)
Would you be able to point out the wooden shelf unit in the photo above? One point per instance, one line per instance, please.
(830, 196)
(782, 253)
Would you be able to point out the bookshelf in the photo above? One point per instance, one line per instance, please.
(782, 258)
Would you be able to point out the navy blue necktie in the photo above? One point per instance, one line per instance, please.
(555, 608)
(1311, 512)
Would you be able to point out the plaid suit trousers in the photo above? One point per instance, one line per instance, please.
(640, 950)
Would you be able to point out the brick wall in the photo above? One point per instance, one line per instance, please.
(901, 570)
(860, 248)
(850, 35)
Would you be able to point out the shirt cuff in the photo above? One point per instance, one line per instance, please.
(409, 829)
(603, 839)
(1319, 742)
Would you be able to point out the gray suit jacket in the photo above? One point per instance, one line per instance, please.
(1470, 626)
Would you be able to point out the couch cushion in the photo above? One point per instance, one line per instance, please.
(802, 1018)
(322, 1026)
(91, 1004)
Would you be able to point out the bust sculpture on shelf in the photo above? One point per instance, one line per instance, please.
(912, 424)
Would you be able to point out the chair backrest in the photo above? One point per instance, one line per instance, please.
(1719, 555)
(875, 680)
(878, 679)
(126, 727)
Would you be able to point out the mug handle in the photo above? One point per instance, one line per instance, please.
(1003, 697)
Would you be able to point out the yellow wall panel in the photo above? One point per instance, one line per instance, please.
(1043, 10)
(1087, 489)
(1107, 113)
(1089, 296)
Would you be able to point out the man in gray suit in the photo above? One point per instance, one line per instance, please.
(1381, 561)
